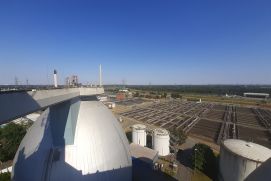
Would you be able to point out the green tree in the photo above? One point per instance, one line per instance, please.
(179, 135)
(5, 176)
(175, 95)
(136, 94)
(10, 138)
(204, 159)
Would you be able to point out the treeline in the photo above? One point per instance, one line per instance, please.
(5, 176)
(205, 89)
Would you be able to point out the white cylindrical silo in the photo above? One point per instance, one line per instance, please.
(160, 141)
(238, 159)
(139, 134)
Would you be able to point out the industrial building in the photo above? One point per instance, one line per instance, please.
(238, 159)
(72, 81)
(256, 95)
(120, 96)
(143, 154)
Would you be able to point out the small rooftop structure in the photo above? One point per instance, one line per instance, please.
(143, 153)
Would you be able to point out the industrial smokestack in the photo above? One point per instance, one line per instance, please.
(55, 78)
(101, 76)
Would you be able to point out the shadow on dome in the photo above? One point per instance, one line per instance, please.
(65, 173)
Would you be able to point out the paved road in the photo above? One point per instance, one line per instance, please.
(184, 173)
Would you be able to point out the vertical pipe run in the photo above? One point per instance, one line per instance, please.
(100, 75)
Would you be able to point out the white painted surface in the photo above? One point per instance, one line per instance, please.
(33, 117)
(161, 141)
(139, 135)
(100, 144)
(238, 159)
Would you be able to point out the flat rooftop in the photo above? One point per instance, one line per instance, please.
(143, 153)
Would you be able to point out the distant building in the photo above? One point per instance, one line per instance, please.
(256, 95)
(102, 98)
(120, 96)
(143, 154)
(72, 81)
(124, 90)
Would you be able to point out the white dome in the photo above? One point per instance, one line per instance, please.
(75, 140)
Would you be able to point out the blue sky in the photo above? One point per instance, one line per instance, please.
(142, 42)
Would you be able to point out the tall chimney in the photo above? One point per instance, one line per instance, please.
(101, 76)
(55, 78)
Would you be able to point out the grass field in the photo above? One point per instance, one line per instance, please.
(199, 176)
(236, 101)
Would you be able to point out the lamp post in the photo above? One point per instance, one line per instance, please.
(1, 165)
(195, 166)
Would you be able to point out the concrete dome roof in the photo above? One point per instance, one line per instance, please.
(76, 140)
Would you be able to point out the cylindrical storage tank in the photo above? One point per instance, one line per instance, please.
(239, 158)
(139, 134)
(160, 141)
